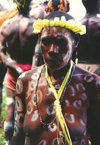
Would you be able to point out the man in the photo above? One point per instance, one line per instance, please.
(55, 103)
(89, 46)
(18, 41)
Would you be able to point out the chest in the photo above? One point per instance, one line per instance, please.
(41, 113)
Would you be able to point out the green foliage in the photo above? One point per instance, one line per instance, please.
(3, 116)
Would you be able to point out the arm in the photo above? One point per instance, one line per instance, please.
(9, 62)
(37, 57)
(94, 112)
(8, 36)
(19, 136)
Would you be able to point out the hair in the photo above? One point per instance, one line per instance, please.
(23, 6)
(90, 5)
(58, 14)
(58, 5)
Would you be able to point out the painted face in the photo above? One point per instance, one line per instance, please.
(56, 44)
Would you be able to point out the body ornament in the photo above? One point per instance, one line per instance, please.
(57, 103)
(71, 24)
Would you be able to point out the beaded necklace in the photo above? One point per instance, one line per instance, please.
(57, 102)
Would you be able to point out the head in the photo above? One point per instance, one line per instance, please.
(37, 9)
(57, 42)
(58, 5)
(90, 5)
(23, 6)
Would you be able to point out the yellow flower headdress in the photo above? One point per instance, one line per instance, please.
(71, 24)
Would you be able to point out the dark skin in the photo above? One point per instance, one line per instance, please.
(78, 116)
(17, 38)
(89, 47)
(37, 58)
(56, 50)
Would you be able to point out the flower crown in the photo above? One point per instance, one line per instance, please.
(71, 24)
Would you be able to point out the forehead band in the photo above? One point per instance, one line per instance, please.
(71, 24)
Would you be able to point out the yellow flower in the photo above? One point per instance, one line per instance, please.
(56, 20)
(45, 22)
(72, 25)
(51, 23)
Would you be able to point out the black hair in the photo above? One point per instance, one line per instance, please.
(55, 3)
(90, 5)
(23, 8)
(58, 5)
(59, 14)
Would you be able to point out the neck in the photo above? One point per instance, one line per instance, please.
(93, 12)
(58, 74)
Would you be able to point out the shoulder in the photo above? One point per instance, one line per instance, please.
(94, 24)
(9, 26)
(84, 20)
(31, 74)
(88, 78)
(27, 79)
(26, 26)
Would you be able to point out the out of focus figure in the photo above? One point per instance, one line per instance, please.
(89, 46)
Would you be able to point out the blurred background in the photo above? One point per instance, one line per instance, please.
(77, 10)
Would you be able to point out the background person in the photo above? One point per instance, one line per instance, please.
(17, 40)
(89, 46)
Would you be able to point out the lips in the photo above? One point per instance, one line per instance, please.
(54, 61)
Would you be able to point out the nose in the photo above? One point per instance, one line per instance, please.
(53, 50)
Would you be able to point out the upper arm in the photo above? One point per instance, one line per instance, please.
(19, 136)
(94, 113)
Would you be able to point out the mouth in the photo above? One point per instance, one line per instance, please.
(53, 63)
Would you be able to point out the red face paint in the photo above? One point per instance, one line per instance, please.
(56, 44)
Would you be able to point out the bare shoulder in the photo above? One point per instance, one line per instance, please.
(26, 26)
(84, 20)
(94, 25)
(87, 76)
(9, 27)
(28, 80)
(31, 74)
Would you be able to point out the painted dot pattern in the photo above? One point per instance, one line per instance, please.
(40, 107)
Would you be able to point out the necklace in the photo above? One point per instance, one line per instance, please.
(63, 93)
(41, 121)
(57, 103)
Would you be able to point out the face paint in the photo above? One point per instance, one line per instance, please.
(56, 46)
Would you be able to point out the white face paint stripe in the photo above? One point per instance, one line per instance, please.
(9, 101)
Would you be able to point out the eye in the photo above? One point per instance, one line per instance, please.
(46, 41)
(62, 42)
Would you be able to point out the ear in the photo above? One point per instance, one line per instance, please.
(76, 41)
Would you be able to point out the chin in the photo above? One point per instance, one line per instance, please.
(55, 68)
